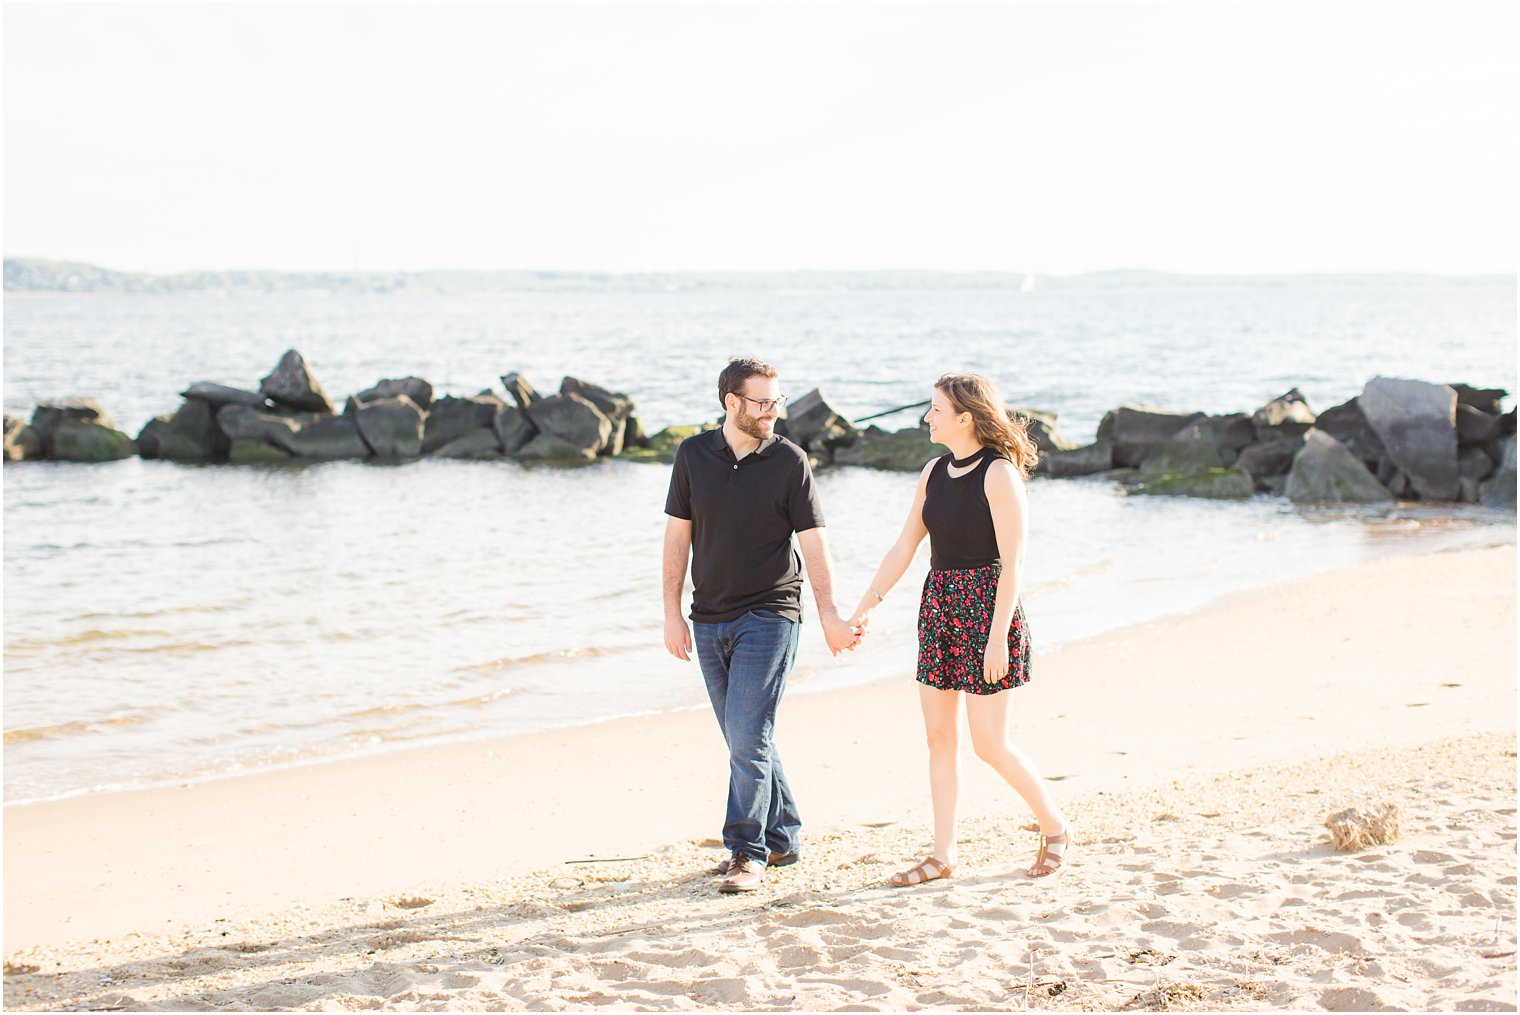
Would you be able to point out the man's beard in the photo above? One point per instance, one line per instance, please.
(750, 425)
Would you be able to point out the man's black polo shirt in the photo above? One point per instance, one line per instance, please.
(743, 514)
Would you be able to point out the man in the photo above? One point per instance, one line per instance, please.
(736, 496)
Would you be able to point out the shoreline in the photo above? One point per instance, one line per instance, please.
(1431, 529)
(425, 819)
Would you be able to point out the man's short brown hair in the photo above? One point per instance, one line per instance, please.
(737, 372)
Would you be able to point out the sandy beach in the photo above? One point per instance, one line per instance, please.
(1199, 757)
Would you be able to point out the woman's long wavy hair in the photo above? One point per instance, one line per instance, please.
(995, 427)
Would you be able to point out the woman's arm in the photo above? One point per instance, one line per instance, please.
(899, 557)
(1008, 500)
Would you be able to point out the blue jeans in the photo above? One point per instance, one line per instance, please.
(745, 663)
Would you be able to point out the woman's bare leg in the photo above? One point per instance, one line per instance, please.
(940, 726)
(987, 716)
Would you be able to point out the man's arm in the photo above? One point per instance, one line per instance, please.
(815, 555)
(677, 553)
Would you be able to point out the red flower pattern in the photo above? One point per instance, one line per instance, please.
(953, 618)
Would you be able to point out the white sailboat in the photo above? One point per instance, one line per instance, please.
(1028, 284)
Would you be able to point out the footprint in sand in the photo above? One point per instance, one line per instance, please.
(1329, 941)
(797, 957)
(1350, 999)
(812, 918)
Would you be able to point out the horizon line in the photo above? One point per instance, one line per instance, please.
(1011, 272)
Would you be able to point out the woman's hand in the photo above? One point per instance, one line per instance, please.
(861, 619)
(995, 660)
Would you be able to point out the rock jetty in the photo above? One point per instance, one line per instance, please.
(290, 418)
(1398, 440)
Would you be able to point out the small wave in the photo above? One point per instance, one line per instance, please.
(1066, 581)
(483, 699)
(393, 734)
(74, 727)
(85, 638)
(173, 648)
(170, 612)
(379, 710)
(555, 656)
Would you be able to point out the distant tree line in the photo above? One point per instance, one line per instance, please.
(24, 274)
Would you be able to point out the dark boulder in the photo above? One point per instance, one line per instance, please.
(150, 437)
(415, 388)
(633, 434)
(47, 416)
(1475, 464)
(293, 384)
(1347, 424)
(1192, 449)
(479, 443)
(1042, 430)
(1084, 461)
(193, 435)
(1489, 400)
(1136, 429)
(1269, 459)
(1416, 421)
(1230, 432)
(1498, 490)
(329, 438)
(257, 453)
(612, 404)
(551, 447)
(392, 427)
(218, 395)
(1325, 471)
(569, 427)
(245, 425)
(1475, 427)
(513, 429)
(85, 440)
(815, 423)
(521, 391)
(452, 418)
(906, 450)
(615, 405)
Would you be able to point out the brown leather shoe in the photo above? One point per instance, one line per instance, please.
(744, 875)
(774, 860)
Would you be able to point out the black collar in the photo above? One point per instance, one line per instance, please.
(720, 443)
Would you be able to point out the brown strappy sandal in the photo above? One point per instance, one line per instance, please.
(930, 870)
(1047, 863)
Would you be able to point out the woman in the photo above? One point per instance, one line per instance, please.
(973, 640)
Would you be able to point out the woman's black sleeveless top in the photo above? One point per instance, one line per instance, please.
(958, 517)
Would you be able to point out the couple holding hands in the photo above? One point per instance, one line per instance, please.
(739, 492)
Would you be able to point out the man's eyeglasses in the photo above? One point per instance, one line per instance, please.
(766, 404)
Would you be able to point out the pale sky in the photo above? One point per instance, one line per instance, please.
(1054, 138)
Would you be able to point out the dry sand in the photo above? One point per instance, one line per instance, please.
(1199, 758)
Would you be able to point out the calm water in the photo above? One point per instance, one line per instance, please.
(165, 622)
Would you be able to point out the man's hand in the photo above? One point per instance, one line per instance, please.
(840, 635)
(678, 638)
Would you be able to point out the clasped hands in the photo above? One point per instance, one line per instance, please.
(842, 635)
(845, 635)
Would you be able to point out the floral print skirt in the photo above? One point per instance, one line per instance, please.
(953, 618)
